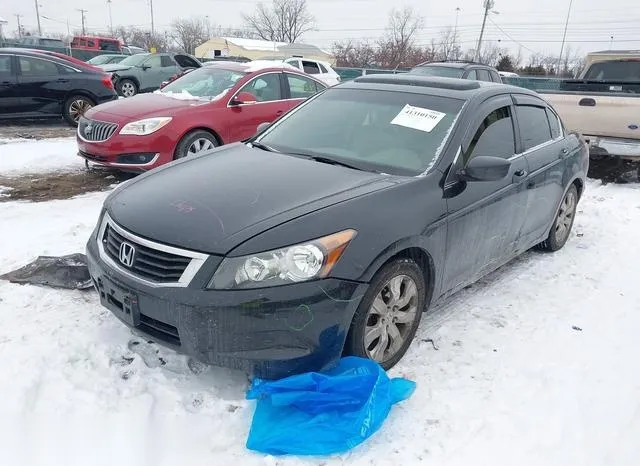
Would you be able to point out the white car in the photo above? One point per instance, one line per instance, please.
(318, 69)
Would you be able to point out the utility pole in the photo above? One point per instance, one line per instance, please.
(564, 36)
(19, 26)
(110, 18)
(455, 28)
(38, 16)
(488, 5)
(82, 12)
(152, 25)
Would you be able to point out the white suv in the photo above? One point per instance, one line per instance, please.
(318, 69)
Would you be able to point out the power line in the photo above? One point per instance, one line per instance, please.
(511, 38)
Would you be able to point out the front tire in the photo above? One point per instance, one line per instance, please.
(127, 88)
(194, 143)
(387, 319)
(561, 228)
(75, 107)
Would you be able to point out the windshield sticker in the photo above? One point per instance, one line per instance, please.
(418, 118)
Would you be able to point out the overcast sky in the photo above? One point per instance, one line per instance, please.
(534, 25)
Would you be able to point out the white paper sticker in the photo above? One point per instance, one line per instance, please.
(418, 118)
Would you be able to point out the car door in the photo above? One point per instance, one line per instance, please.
(41, 87)
(154, 70)
(300, 88)
(269, 91)
(9, 99)
(485, 218)
(546, 149)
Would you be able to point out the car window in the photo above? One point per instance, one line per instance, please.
(6, 66)
(301, 87)
(36, 67)
(534, 125)
(154, 61)
(310, 67)
(472, 75)
(554, 122)
(186, 62)
(483, 75)
(165, 60)
(494, 137)
(322, 68)
(443, 71)
(496, 77)
(391, 132)
(266, 87)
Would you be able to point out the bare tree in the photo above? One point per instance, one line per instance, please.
(284, 21)
(399, 38)
(241, 33)
(355, 54)
(447, 48)
(190, 33)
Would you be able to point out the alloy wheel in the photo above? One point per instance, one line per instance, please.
(78, 107)
(128, 89)
(565, 216)
(390, 318)
(200, 145)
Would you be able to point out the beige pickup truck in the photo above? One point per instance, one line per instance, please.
(603, 104)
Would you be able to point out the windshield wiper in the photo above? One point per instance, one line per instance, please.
(323, 159)
(259, 145)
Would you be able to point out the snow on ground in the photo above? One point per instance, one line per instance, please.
(512, 381)
(22, 156)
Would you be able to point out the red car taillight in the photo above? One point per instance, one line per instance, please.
(107, 81)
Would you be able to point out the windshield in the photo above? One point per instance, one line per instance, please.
(207, 83)
(442, 71)
(134, 60)
(102, 59)
(391, 132)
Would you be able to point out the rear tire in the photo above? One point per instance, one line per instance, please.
(127, 88)
(195, 142)
(388, 316)
(561, 228)
(74, 107)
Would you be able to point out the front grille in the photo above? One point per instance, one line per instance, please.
(159, 330)
(148, 263)
(95, 131)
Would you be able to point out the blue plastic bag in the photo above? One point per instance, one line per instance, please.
(322, 413)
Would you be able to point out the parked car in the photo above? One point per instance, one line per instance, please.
(38, 85)
(133, 50)
(41, 41)
(73, 61)
(208, 107)
(96, 43)
(332, 230)
(318, 69)
(145, 72)
(458, 69)
(107, 59)
(603, 104)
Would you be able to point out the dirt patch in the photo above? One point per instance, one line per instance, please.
(49, 186)
(31, 129)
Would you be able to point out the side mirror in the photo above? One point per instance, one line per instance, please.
(485, 168)
(263, 126)
(244, 98)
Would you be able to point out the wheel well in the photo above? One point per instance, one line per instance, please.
(424, 261)
(130, 78)
(579, 186)
(79, 92)
(208, 130)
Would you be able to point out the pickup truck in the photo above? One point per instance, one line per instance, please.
(603, 104)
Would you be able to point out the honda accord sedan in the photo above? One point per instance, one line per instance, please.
(203, 109)
(332, 230)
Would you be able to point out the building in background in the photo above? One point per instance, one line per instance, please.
(257, 49)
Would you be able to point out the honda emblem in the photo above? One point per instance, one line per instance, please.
(127, 253)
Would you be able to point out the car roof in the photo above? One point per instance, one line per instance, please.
(463, 89)
(252, 66)
(453, 64)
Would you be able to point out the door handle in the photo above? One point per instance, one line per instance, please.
(279, 112)
(62, 80)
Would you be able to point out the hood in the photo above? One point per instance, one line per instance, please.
(142, 106)
(113, 67)
(214, 202)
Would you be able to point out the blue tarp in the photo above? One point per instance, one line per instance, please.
(322, 413)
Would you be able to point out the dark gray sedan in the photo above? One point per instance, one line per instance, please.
(332, 230)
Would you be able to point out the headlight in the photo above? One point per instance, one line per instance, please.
(146, 126)
(297, 263)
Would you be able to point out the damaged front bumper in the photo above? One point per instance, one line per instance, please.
(269, 332)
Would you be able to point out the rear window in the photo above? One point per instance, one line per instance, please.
(442, 71)
(614, 71)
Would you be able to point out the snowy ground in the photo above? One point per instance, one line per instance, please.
(536, 365)
(18, 157)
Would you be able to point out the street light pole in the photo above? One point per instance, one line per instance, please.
(38, 16)
(19, 25)
(110, 18)
(455, 28)
(152, 25)
(564, 36)
(82, 12)
(488, 5)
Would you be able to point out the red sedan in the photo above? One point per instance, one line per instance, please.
(208, 107)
